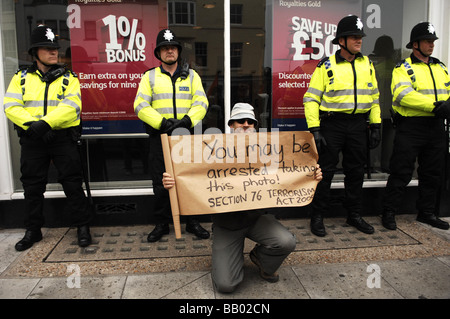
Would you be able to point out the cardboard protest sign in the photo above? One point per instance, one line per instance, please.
(219, 173)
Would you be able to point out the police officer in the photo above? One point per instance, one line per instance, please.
(421, 91)
(170, 96)
(342, 97)
(44, 103)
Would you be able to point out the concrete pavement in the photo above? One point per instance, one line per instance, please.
(405, 271)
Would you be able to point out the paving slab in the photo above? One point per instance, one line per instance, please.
(344, 281)
(17, 288)
(254, 287)
(418, 278)
(8, 253)
(187, 285)
(89, 288)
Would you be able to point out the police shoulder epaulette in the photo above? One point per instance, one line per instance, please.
(23, 68)
(400, 63)
(150, 69)
(322, 61)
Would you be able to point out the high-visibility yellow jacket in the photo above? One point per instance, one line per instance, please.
(341, 86)
(416, 86)
(29, 99)
(159, 97)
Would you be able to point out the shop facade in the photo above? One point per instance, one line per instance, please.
(262, 52)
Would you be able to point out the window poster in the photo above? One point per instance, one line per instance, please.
(112, 45)
(302, 35)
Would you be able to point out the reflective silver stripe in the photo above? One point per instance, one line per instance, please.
(151, 78)
(10, 104)
(431, 92)
(426, 91)
(72, 104)
(41, 103)
(200, 93)
(70, 95)
(13, 95)
(337, 106)
(196, 103)
(183, 96)
(140, 107)
(169, 110)
(310, 99)
(359, 92)
(145, 97)
(315, 91)
(162, 96)
(403, 93)
(399, 84)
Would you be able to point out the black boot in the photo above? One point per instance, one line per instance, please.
(31, 237)
(317, 227)
(388, 220)
(431, 219)
(84, 236)
(158, 232)
(355, 220)
(196, 229)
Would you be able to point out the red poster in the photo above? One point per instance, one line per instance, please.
(112, 45)
(302, 35)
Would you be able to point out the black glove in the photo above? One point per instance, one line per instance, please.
(375, 135)
(442, 109)
(186, 122)
(38, 129)
(318, 138)
(169, 125)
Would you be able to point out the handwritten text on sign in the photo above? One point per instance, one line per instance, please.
(219, 173)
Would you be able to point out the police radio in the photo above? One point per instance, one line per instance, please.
(52, 75)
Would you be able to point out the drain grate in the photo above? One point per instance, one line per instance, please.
(130, 242)
(115, 208)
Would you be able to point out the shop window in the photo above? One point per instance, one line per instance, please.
(236, 13)
(236, 55)
(201, 54)
(181, 12)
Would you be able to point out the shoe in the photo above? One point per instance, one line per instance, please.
(270, 278)
(84, 236)
(431, 219)
(317, 227)
(158, 232)
(197, 230)
(357, 221)
(31, 237)
(388, 220)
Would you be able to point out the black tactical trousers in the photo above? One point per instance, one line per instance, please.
(347, 134)
(162, 210)
(421, 139)
(36, 156)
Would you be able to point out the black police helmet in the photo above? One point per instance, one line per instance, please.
(422, 31)
(350, 25)
(43, 36)
(166, 37)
